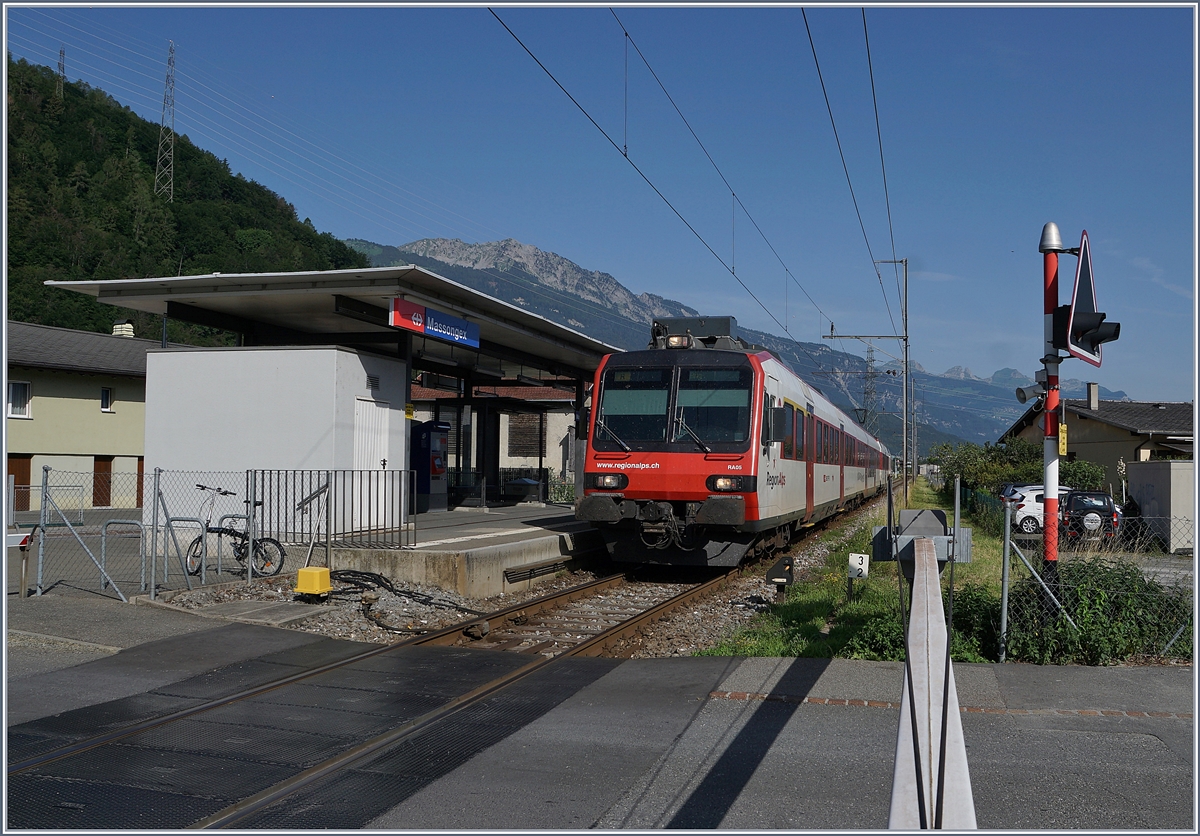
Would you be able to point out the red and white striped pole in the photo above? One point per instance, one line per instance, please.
(1050, 247)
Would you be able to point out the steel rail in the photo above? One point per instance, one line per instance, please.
(446, 635)
(594, 646)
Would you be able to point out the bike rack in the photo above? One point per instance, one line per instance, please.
(179, 552)
(220, 524)
(104, 550)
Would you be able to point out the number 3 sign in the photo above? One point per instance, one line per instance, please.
(859, 563)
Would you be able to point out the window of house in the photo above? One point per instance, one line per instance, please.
(18, 399)
(106, 399)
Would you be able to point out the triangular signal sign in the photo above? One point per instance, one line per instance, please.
(1083, 304)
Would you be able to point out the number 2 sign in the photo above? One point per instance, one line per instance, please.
(859, 564)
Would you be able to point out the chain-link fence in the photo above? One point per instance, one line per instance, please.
(124, 534)
(1109, 597)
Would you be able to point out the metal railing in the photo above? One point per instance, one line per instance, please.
(372, 509)
(309, 512)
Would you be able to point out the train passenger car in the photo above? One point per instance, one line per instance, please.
(703, 449)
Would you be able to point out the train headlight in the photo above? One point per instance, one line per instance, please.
(609, 481)
(726, 484)
(679, 341)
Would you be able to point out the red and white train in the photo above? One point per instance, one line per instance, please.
(702, 449)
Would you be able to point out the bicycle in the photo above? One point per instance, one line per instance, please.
(268, 553)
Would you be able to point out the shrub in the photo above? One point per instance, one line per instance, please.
(1117, 611)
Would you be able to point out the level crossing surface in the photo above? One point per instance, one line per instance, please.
(702, 742)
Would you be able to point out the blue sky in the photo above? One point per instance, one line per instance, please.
(399, 123)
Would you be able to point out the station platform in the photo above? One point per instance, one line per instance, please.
(481, 552)
(693, 743)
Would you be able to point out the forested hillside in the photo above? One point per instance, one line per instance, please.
(81, 207)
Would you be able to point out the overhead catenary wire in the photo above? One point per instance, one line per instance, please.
(845, 167)
(887, 202)
(650, 183)
(239, 124)
(206, 111)
(716, 168)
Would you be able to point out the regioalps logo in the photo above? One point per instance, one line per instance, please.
(774, 479)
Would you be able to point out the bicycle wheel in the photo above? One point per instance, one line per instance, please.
(195, 555)
(268, 557)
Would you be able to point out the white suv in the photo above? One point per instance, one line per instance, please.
(1028, 512)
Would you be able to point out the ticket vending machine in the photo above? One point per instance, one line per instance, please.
(429, 462)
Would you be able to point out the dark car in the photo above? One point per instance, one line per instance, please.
(1088, 515)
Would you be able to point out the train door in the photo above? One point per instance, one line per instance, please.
(809, 448)
(843, 451)
(770, 465)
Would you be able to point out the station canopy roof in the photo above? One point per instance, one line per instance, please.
(352, 307)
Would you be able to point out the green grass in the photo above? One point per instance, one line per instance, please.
(1118, 613)
(819, 620)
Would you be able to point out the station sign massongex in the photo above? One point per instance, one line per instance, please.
(442, 326)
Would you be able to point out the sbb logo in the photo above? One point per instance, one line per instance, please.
(417, 319)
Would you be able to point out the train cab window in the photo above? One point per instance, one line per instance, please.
(633, 407)
(714, 404)
(789, 440)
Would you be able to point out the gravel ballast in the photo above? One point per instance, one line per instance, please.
(419, 609)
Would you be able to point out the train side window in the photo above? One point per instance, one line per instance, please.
(789, 438)
(801, 450)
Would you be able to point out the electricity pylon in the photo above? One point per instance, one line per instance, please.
(164, 175)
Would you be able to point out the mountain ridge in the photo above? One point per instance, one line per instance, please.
(954, 407)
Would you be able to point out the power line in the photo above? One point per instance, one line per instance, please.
(716, 168)
(883, 168)
(307, 178)
(650, 183)
(845, 167)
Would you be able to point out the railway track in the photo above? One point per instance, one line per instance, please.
(590, 620)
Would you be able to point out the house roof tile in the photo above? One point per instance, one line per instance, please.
(47, 347)
(1142, 417)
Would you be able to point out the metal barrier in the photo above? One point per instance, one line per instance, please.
(931, 784)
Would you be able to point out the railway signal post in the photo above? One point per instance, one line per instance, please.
(1079, 329)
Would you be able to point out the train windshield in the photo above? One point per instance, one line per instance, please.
(674, 407)
(634, 408)
(713, 406)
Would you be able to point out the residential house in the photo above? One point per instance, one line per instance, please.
(76, 402)
(1108, 432)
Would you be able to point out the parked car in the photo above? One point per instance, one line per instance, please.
(1088, 515)
(1029, 510)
